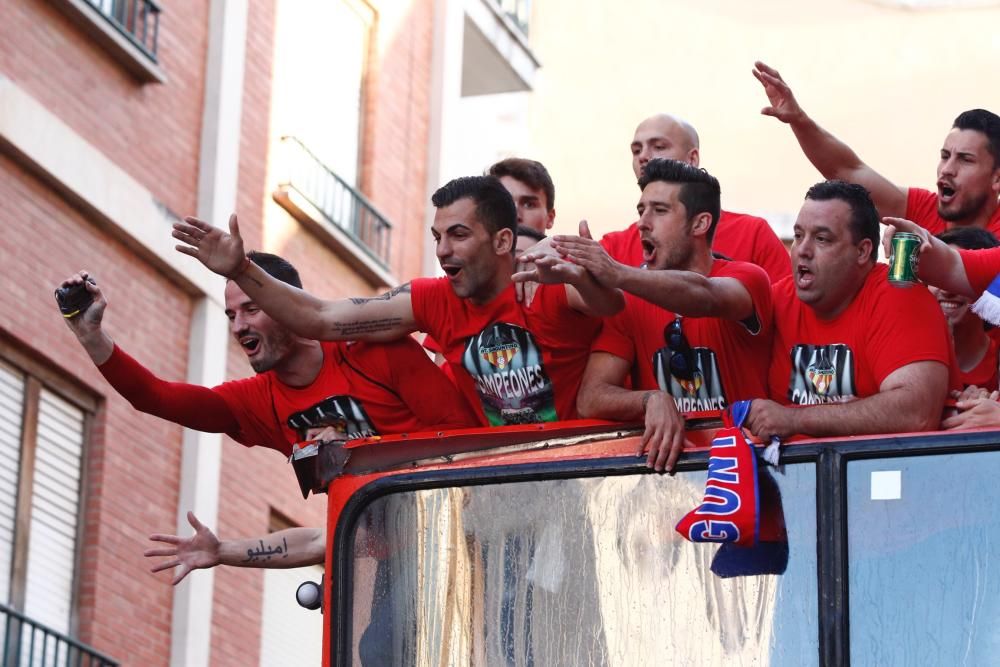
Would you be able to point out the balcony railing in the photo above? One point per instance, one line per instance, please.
(336, 200)
(518, 11)
(27, 643)
(137, 20)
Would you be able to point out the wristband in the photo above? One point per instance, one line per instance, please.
(244, 265)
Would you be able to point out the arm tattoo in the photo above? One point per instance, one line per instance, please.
(395, 291)
(361, 327)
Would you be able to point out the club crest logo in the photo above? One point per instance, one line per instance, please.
(691, 386)
(821, 374)
(499, 355)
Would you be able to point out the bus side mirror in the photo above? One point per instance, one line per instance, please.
(309, 595)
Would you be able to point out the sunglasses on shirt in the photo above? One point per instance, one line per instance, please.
(682, 359)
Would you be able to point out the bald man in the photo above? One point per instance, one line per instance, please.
(737, 236)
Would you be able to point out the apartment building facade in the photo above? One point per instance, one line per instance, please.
(321, 123)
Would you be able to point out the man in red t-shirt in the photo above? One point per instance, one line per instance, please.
(737, 236)
(695, 334)
(515, 363)
(968, 172)
(852, 353)
(302, 390)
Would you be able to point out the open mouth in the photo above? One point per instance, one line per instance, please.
(946, 192)
(452, 270)
(648, 251)
(803, 276)
(949, 306)
(250, 345)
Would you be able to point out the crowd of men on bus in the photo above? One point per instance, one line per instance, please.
(687, 310)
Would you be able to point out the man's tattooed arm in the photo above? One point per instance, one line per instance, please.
(395, 291)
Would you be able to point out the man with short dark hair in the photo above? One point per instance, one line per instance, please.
(852, 353)
(968, 171)
(738, 236)
(695, 334)
(515, 363)
(530, 185)
(302, 390)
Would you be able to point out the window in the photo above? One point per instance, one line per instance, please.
(42, 437)
(571, 571)
(290, 634)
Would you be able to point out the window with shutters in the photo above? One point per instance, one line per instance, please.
(43, 427)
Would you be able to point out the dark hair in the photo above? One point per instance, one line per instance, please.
(700, 191)
(529, 232)
(969, 238)
(276, 267)
(864, 215)
(986, 122)
(530, 172)
(494, 206)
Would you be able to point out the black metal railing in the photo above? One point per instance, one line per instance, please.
(27, 643)
(137, 20)
(339, 203)
(518, 11)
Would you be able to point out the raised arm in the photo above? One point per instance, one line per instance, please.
(832, 157)
(189, 405)
(685, 292)
(910, 399)
(602, 396)
(293, 547)
(381, 318)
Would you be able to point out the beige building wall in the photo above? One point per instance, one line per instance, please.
(887, 80)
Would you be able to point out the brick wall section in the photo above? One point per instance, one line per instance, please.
(151, 131)
(396, 128)
(123, 610)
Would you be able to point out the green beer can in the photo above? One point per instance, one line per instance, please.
(903, 261)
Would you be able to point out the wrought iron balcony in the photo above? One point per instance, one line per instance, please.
(137, 20)
(335, 200)
(27, 643)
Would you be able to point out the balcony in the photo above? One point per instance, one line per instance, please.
(496, 57)
(128, 29)
(340, 215)
(28, 643)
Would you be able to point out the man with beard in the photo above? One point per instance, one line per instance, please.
(852, 353)
(695, 334)
(302, 390)
(737, 236)
(516, 363)
(968, 172)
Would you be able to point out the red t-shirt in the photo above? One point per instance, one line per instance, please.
(922, 208)
(745, 238)
(981, 267)
(363, 389)
(732, 362)
(985, 374)
(516, 364)
(883, 329)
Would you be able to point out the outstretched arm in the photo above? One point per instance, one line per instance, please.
(293, 547)
(602, 396)
(832, 157)
(381, 318)
(685, 292)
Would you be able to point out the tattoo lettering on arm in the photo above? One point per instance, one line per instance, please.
(395, 291)
(361, 327)
(265, 551)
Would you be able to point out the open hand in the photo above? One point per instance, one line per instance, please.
(220, 252)
(591, 255)
(199, 551)
(783, 105)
